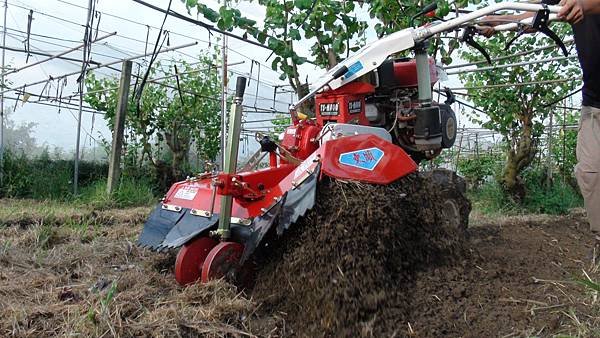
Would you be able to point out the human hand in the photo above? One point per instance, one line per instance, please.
(487, 31)
(571, 11)
(486, 25)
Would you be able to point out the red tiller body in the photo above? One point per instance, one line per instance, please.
(343, 105)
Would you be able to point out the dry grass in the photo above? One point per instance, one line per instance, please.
(88, 278)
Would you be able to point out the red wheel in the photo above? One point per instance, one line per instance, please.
(190, 259)
(222, 261)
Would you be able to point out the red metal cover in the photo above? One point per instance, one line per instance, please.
(405, 72)
(343, 105)
(365, 158)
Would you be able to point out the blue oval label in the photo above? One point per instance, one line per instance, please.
(366, 159)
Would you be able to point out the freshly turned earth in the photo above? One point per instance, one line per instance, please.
(367, 261)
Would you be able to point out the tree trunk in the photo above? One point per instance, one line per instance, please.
(519, 157)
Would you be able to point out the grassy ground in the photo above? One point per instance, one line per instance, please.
(74, 269)
(559, 199)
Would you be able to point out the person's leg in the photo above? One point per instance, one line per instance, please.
(589, 184)
(588, 164)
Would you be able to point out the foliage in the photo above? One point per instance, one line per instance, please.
(280, 123)
(179, 114)
(332, 28)
(563, 148)
(490, 198)
(19, 136)
(478, 168)
(43, 177)
(518, 112)
(130, 192)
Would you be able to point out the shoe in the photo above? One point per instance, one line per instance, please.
(595, 253)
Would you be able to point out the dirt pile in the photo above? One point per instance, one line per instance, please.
(348, 267)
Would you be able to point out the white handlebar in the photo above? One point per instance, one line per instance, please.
(424, 33)
(514, 26)
(372, 55)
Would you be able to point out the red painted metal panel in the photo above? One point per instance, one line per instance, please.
(405, 72)
(197, 194)
(393, 163)
(343, 105)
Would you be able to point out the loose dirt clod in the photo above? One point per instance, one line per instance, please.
(367, 261)
(348, 267)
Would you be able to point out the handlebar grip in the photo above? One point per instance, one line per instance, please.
(240, 86)
(338, 73)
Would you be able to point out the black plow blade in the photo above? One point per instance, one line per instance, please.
(167, 229)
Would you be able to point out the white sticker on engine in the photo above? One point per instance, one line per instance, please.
(186, 193)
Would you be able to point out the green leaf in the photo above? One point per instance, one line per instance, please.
(208, 13)
(275, 63)
(191, 3)
(298, 60)
(303, 4)
(294, 34)
(226, 21)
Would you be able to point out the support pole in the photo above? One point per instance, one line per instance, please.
(459, 150)
(80, 113)
(230, 156)
(2, 96)
(223, 101)
(114, 166)
(76, 158)
(549, 155)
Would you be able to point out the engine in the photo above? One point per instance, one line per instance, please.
(388, 98)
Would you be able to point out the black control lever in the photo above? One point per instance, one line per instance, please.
(540, 24)
(450, 98)
(429, 8)
(468, 34)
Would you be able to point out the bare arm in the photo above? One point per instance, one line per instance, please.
(591, 6)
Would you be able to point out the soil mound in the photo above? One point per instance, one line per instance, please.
(347, 267)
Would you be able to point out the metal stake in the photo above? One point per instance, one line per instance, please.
(2, 96)
(230, 157)
(223, 102)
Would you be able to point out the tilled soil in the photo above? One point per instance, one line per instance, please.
(348, 268)
(519, 280)
(390, 271)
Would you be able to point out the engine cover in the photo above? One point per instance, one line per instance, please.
(343, 105)
(402, 73)
(428, 128)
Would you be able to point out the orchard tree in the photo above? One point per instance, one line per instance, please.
(179, 114)
(563, 147)
(518, 110)
(332, 28)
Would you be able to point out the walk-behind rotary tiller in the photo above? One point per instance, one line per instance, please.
(374, 121)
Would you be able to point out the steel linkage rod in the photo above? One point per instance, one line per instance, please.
(516, 84)
(461, 65)
(516, 64)
(103, 65)
(58, 55)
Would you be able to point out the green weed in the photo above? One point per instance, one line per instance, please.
(557, 199)
(45, 236)
(129, 193)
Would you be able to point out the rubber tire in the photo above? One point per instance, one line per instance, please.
(449, 126)
(451, 198)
